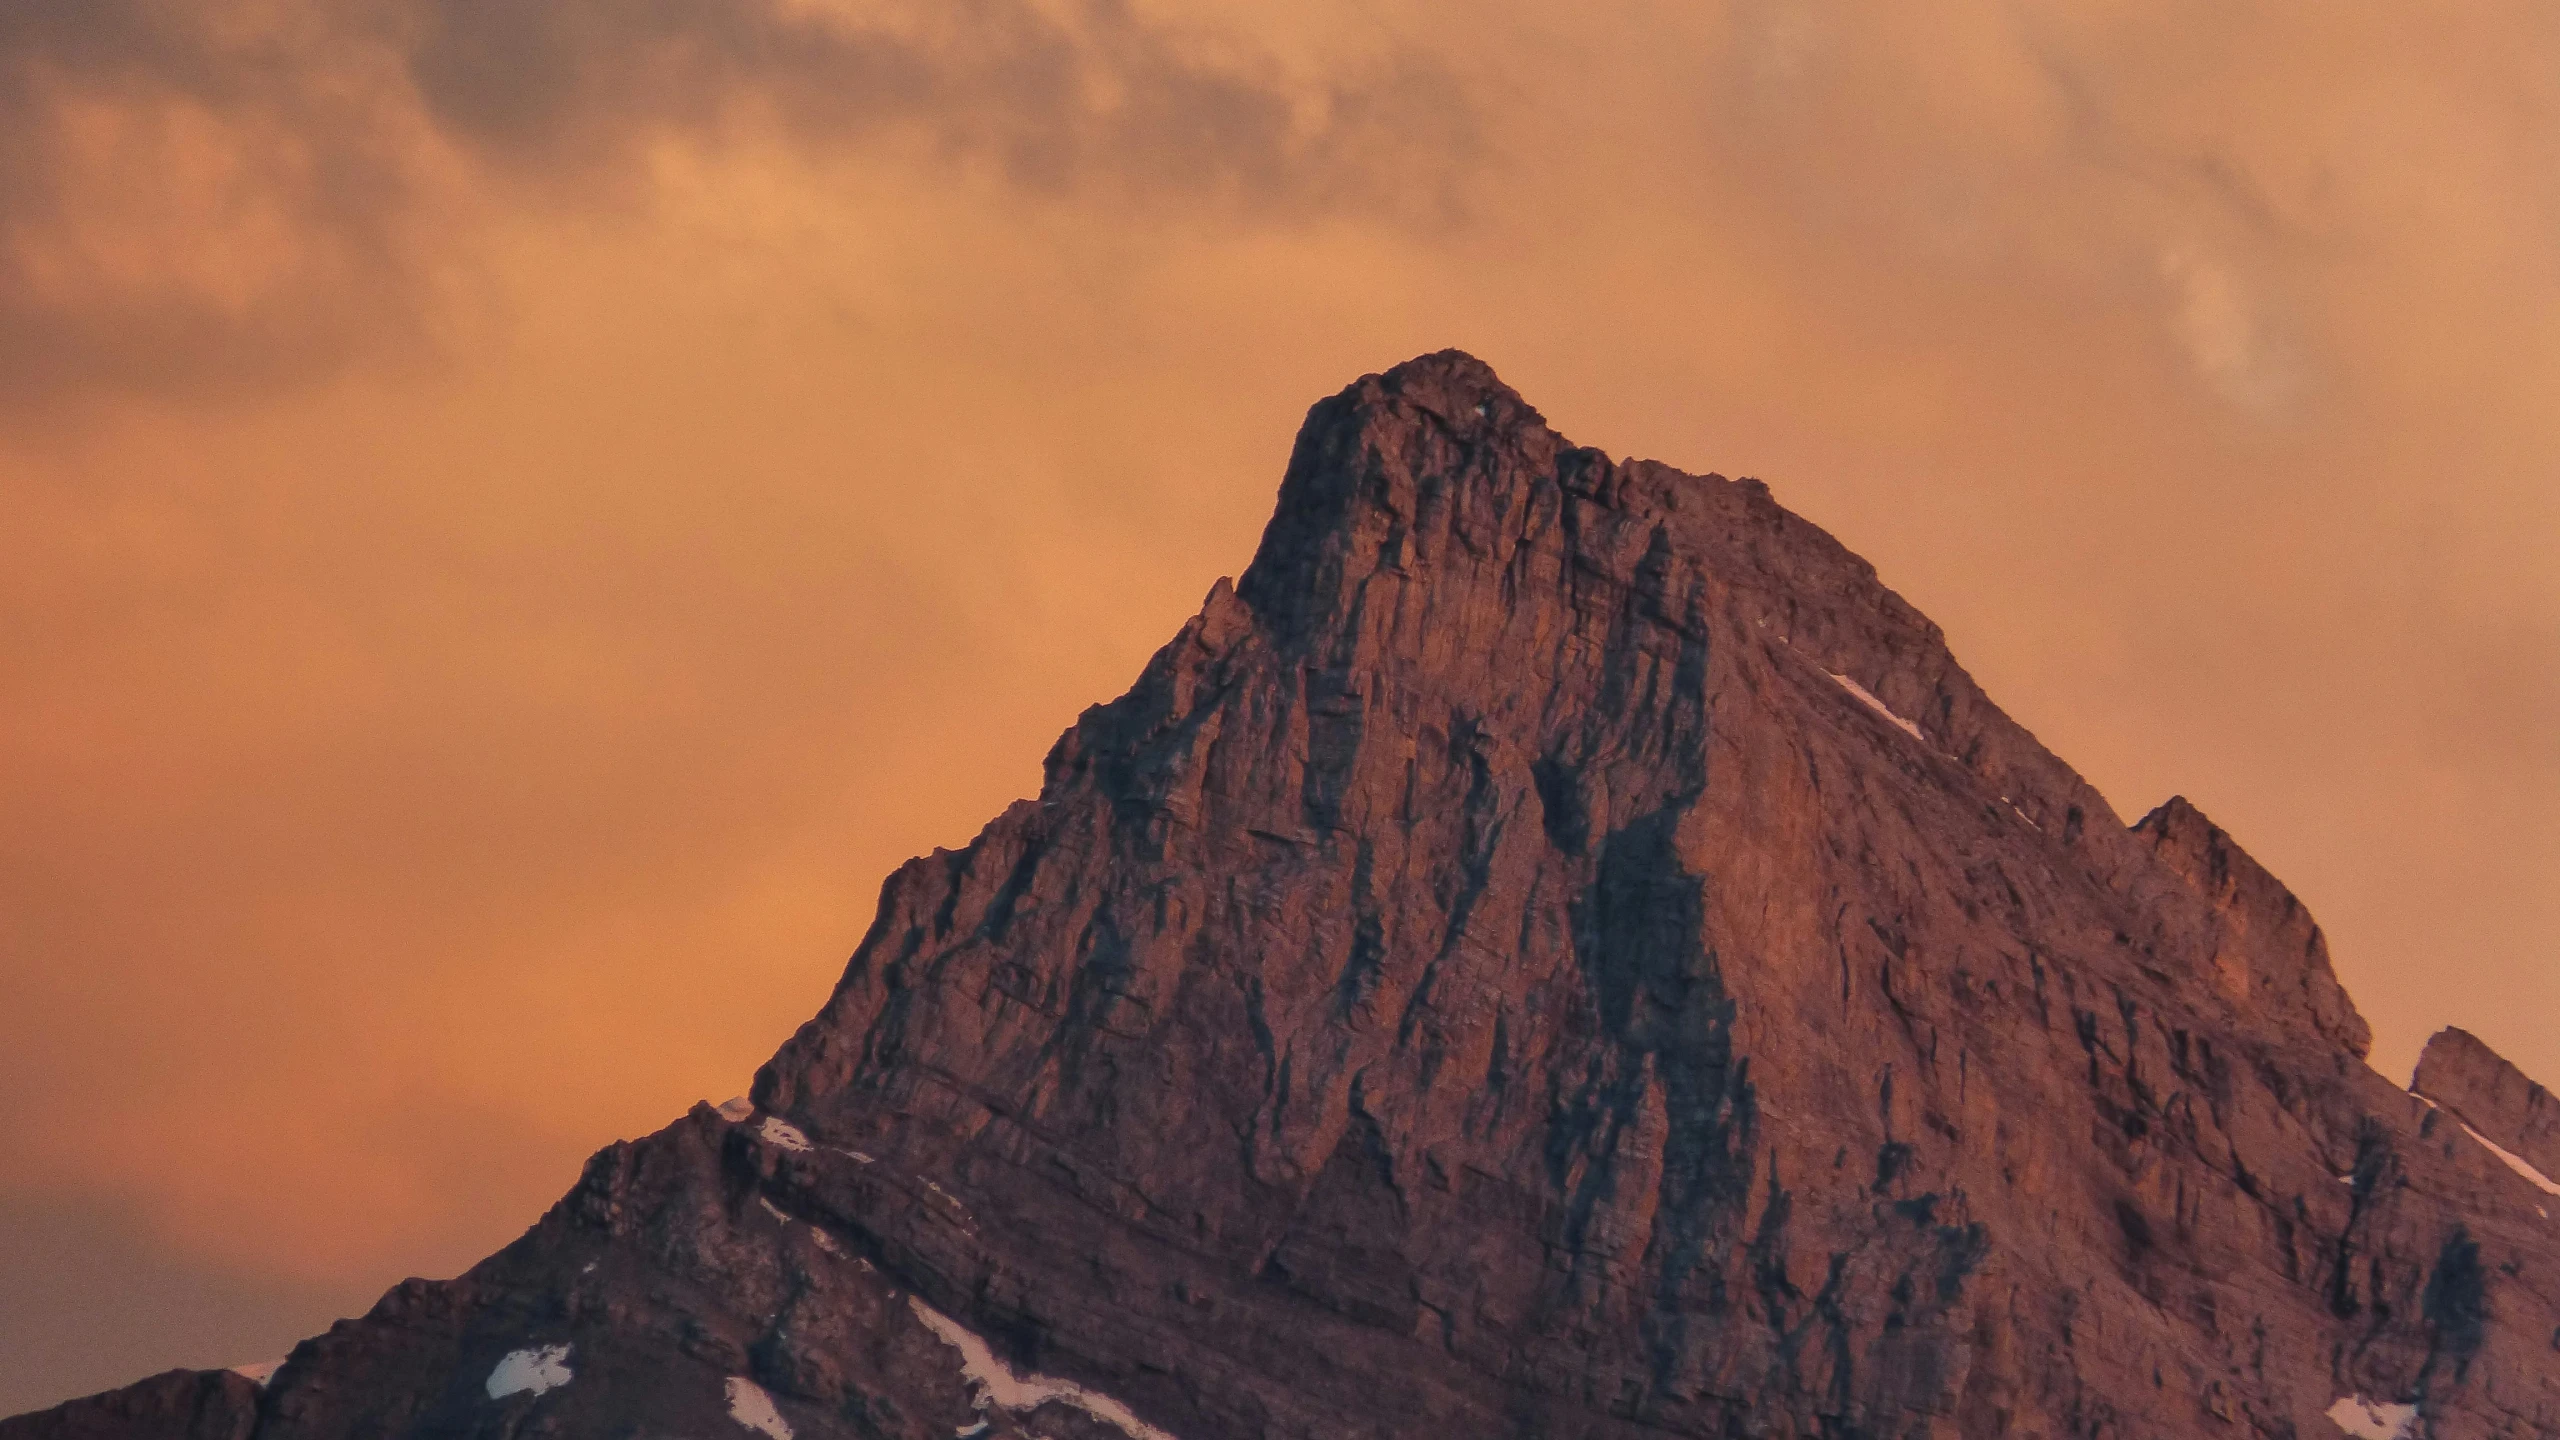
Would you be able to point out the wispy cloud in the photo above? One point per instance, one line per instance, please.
(209, 198)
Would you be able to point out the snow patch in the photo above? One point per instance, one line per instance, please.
(751, 1407)
(773, 1210)
(855, 1156)
(1878, 706)
(780, 1132)
(537, 1370)
(1000, 1387)
(736, 1109)
(260, 1373)
(957, 1213)
(827, 1242)
(2515, 1162)
(2371, 1420)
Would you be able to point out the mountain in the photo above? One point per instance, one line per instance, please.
(1557, 949)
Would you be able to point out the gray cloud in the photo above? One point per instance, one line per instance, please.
(194, 203)
(1107, 99)
(138, 130)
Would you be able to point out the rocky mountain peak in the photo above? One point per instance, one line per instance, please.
(2482, 1088)
(1558, 948)
(2264, 949)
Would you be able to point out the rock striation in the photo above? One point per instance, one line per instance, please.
(1556, 949)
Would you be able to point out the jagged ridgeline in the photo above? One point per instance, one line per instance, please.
(1557, 949)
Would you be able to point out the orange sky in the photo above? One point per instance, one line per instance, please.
(517, 517)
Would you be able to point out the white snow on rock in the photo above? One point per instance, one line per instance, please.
(781, 1132)
(736, 1109)
(2371, 1420)
(751, 1407)
(776, 1211)
(260, 1373)
(2515, 1162)
(967, 1220)
(1000, 1387)
(537, 1370)
(1878, 706)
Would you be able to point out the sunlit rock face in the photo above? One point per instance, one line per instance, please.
(1556, 949)
(2496, 1099)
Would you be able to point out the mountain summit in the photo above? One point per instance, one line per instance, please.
(1556, 949)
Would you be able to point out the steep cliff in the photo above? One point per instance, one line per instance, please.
(1557, 949)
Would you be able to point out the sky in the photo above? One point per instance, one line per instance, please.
(519, 516)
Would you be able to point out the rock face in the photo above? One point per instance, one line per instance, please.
(1557, 950)
(2473, 1081)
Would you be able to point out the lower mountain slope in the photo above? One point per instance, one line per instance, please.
(1557, 949)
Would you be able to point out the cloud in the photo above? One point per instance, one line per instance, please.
(2225, 335)
(181, 201)
(208, 199)
(2096, 162)
(1094, 96)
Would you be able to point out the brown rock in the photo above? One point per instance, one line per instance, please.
(2265, 952)
(2465, 1076)
(174, 1405)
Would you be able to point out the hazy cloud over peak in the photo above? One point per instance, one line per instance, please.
(208, 199)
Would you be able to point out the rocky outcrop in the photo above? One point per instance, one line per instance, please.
(174, 1405)
(2465, 1076)
(1556, 949)
(2263, 951)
